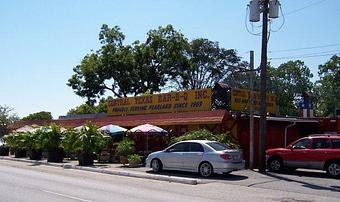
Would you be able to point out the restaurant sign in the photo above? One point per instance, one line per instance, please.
(192, 100)
(240, 100)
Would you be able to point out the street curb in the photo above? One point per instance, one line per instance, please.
(111, 172)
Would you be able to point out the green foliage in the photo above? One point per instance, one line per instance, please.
(134, 159)
(6, 118)
(32, 140)
(88, 140)
(43, 115)
(289, 81)
(125, 147)
(51, 137)
(166, 58)
(15, 141)
(87, 108)
(206, 64)
(69, 140)
(204, 134)
(328, 87)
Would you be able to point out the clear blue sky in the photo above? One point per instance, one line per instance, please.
(41, 41)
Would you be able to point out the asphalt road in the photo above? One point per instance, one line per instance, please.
(26, 182)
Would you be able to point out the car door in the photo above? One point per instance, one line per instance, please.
(173, 156)
(298, 156)
(319, 152)
(193, 157)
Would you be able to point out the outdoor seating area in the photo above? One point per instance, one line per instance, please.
(86, 143)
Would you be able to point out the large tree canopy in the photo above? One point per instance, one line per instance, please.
(289, 81)
(165, 59)
(206, 64)
(328, 87)
(43, 115)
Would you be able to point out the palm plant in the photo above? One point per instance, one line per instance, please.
(69, 142)
(33, 144)
(124, 149)
(89, 140)
(51, 139)
(15, 142)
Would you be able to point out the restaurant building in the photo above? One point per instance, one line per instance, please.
(219, 110)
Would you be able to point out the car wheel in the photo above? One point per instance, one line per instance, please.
(206, 169)
(156, 165)
(275, 164)
(333, 169)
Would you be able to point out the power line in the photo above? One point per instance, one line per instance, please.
(307, 56)
(302, 8)
(305, 48)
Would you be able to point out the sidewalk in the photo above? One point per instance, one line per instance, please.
(112, 169)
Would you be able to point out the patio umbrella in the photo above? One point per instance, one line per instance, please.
(148, 129)
(113, 130)
(26, 128)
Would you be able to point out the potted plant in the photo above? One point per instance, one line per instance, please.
(4, 150)
(33, 144)
(69, 143)
(89, 140)
(134, 160)
(51, 138)
(16, 144)
(124, 149)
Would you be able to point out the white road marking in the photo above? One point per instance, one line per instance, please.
(66, 196)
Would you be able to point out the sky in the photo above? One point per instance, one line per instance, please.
(41, 41)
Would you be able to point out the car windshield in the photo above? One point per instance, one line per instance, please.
(218, 146)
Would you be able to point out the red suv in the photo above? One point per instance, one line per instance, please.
(316, 152)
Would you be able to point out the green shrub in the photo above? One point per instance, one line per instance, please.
(125, 147)
(89, 140)
(204, 134)
(134, 159)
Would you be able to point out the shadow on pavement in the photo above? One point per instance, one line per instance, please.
(229, 177)
(304, 173)
(303, 183)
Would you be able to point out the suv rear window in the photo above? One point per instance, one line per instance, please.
(218, 146)
(336, 143)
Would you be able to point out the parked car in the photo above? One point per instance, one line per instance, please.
(202, 156)
(315, 152)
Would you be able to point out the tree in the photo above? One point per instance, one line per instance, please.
(91, 109)
(43, 115)
(6, 119)
(162, 58)
(206, 65)
(328, 87)
(288, 82)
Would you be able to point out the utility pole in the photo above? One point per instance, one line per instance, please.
(251, 110)
(263, 95)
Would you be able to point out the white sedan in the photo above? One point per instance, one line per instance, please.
(202, 156)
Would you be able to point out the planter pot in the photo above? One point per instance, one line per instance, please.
(123, 160)
(134, 164)
(20, 153)
(35, 154)
(4, 151)
(56, 155)
(85, 159)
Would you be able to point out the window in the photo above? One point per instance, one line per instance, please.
(336, 143)
(321, 143)
(218, 146)
(196, 147)
(302, 144)
(180, 147)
